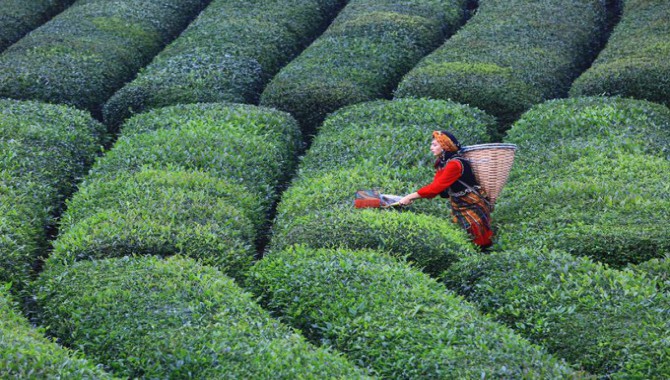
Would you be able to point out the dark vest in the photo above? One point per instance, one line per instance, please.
(467, 176)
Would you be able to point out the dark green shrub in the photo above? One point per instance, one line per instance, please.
(158, 213)
(657, 270)
(612, 323)
(26, 354)
(589, 178)
(18, 17)
(361, 56)
(87, 52)
(389, 317)
(22, 228)
(227, 54)
(150, 318)
(55, 144)
(245, 145)
(44, 151)
(511, 55)
(635, 61)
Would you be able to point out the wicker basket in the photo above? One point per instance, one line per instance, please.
(491, 164)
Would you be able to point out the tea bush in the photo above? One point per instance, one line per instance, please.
(55, 144)
(22, 229)
(227, 54)
(44, 151)
(657, 270)
(361, 56)
(390, 318)
(251, 146)
(18, 17)
(394, 134)
(318, 212)
(152, 318)
(158, 213)
(511, 55)
(383, 145)
(87, 52)
(635, 61)
(612, 323)
(26, 354)
(589, 178)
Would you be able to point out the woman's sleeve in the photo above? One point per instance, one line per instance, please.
(444, 178)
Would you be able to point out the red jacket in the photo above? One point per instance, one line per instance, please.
(444, 178)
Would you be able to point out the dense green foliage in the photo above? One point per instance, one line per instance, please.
(100, 44)
(590, 178)
(361, 56)
(150, 318)
(227, 54)
(384, 145)
(391, 318)
(26, 354)
(635, 61)
(657, 270)
(44, 150)
(511, 55)
(609, 322)
(158, 213)
(18, 17)
(251, 146)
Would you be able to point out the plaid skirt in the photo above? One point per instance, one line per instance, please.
(473, 213)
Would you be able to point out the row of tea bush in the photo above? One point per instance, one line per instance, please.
(147, 317)
(511, 55)
(611, 323)
(227, 54)
(25, 353)
(81, 56)
(391, 319)
(361, 56)
(193, 179)
(44, 150)
(635, 61)
(590, 178)
(18, 17)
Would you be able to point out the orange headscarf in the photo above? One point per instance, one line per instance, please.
(445, 141)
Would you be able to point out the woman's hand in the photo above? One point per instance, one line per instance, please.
(408, 199)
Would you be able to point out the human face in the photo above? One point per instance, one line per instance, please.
(435, 148)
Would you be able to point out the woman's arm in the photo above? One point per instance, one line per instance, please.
(444, 178)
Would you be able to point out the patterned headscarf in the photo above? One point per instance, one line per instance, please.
(447, 141)
(449, 144)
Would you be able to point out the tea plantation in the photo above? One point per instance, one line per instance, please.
(177, 181)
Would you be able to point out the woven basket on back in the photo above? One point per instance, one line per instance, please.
(491, 164)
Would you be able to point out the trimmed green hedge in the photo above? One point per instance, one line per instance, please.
(158, 213)
(384, 145)
(251, 146)
(152, 318)
(657, 270)
(227, 54)
(590, 178)
(87, 52)
(26, 354)
(361, 56)
(392, 319)
(511, 55)
(635, 61)
(44, 151)
(609, 322)
(18, 17)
